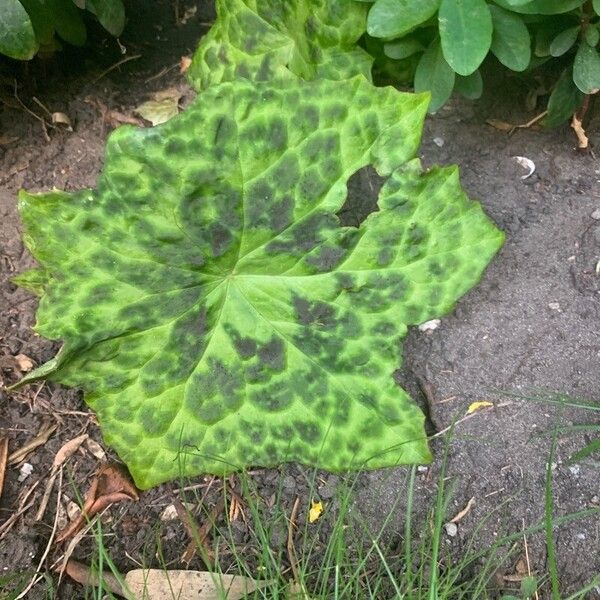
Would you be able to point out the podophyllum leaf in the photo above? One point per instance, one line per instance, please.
(511, 43)
(212, 307)
(466, 33)
(41, 19)
(564, 41)
(265, 39)
(541, 7)
(586, 68)
(17, 38)
(596, 5)
(434, 75)
(471, 86)
(564, 100)
(395, 18)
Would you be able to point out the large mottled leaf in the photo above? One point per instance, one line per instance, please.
(213, 308)
(265, 39)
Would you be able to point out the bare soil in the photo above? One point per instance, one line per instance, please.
(532, 323)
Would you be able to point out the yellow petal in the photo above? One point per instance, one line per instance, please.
(315, 512)
(474, 406)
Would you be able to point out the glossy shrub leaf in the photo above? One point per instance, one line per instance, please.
(212, 307)
(68, 21)
(434, 75)
(395, 18)
(596, 5)
(471, 86)
(261, 40)
(466, 33)
(586, 69)
(564, 100)
(110, 14)
(541, 7)
(41, 19)
(592, 35)
(401, 49)
(17, 38)
(564, 41)
(511, 43)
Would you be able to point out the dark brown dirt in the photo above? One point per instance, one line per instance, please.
(508, 334)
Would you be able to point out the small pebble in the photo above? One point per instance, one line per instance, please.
(422, 468)
(430, 325)
(596, 215)
(575, 469)
(595, 500)
(289, 483)
(439, 142)
(25, 471)
(554, 306)
(451, 529)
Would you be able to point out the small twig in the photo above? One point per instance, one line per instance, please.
(116, 65)
(162, 72)
(527, 557)
(37, 577)
(3, 460)
(34, 115)
(290, 540)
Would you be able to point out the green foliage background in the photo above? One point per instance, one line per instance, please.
(28, 26)
(441, 44)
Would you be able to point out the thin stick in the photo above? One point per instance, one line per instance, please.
(117, 64)
(290, 540)
(37, 577)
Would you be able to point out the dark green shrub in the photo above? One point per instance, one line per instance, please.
(30, 26)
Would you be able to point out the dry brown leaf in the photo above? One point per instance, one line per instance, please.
(583, 141)
(46, 430)
(60, 118)
(184, 64)
(460, 515)
(111, 484)
(9, 139)
(96, 449)
(85, 576)
(3, 461)
(163, 106)
(500, 125)
(157, 584)
(24, 363)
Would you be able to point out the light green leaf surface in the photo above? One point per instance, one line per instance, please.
(466, 33)
(592, 35)
(17, 38)
(596, 5)
(395, 18)
(564, 41)
(511, 43)
(212, 307)
(586, 69)
(434, 75)
(261, 40)
(541, 7)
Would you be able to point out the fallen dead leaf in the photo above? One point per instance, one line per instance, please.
(85, 576)
(460, 515)
(9, 139)
(315, 512)
(500, 125)
(184, 64)
(96, 449)
(46, 430)
(583, 141)
(3, 461)
(111, 484)
(475, 406)
(157, 584)
(24, 363)
(60, 118)
(163, 106)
